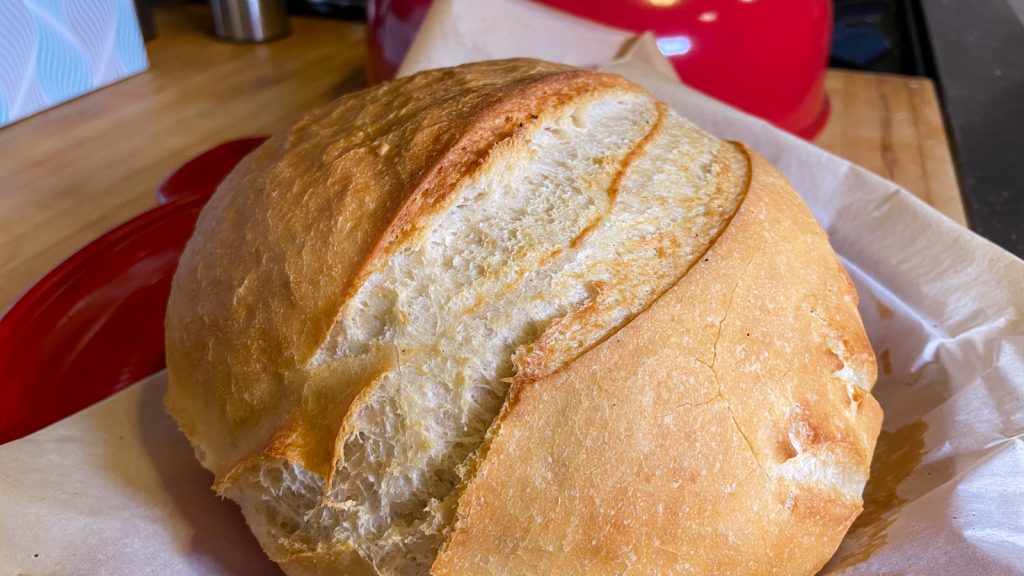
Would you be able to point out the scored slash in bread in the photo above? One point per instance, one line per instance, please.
(518, 318)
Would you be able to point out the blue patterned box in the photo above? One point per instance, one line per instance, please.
(54, 50)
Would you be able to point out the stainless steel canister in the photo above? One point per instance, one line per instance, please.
(250, 20)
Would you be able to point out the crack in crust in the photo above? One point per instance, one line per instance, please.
(718, 382)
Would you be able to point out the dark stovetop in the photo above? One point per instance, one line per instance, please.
(974, 50)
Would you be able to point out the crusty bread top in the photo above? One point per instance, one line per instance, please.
(270, 267)
(363, 290)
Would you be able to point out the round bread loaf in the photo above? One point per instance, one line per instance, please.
(519, 318)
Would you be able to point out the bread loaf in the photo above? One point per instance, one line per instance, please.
(519, 318)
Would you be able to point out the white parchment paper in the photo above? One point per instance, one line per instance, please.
(115, 489)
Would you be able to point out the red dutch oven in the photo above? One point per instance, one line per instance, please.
(767, 57)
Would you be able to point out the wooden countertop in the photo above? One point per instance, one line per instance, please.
(73, 172)
(892, 125)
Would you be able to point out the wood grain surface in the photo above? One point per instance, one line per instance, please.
(73, 172)
(892, 125)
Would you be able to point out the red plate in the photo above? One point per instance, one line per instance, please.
(94, 325)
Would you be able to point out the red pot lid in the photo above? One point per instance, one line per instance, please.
(767, 57)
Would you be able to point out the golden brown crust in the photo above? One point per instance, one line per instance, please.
(671, 448)
(705, 436)
(251, 305)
